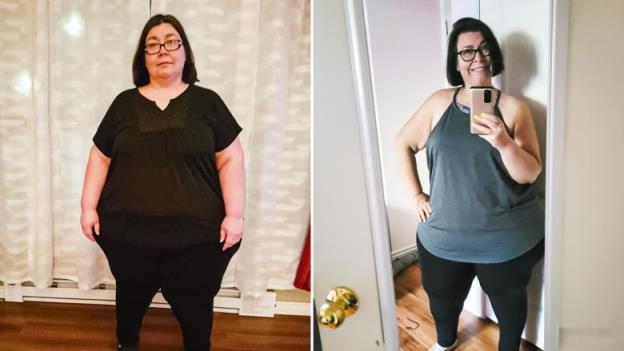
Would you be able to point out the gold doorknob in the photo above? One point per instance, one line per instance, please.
(340, 303)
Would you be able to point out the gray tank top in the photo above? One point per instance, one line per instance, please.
(479, 213)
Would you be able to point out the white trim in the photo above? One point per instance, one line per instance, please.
(364, 97)
(12, 292)
(292, 308)
(402, 251)
(555, 156)
(444, 30)
(227, 300)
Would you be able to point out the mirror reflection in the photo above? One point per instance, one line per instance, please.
(463, 167)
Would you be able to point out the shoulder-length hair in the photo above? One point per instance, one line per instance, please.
(140, 75)
(465, 25)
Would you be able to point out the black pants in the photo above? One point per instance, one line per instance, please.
(188, 277)
(447, 284)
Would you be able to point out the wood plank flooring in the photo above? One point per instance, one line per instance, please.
(36, 326)
(416, 327)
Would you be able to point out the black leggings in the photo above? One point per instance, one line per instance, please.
(188, 277)
(447, 284)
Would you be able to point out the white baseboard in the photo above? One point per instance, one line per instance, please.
(227, 300)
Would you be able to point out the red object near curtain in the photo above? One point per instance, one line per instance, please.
(302, 279)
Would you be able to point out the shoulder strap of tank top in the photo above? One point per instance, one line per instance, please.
(498, 95)
(455, 96)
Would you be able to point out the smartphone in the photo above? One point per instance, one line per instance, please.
(482, 100)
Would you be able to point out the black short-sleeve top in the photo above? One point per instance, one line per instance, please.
(162, 188)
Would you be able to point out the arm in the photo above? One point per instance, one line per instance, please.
(520, 153)
(411, 138)
(95, 176)
(231, 167)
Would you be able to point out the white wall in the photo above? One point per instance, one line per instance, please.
(522, 28)
(408, 66)
(592, 276)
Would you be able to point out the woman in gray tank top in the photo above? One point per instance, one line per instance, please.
(482, 217)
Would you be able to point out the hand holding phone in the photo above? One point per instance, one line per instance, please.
(482, 101)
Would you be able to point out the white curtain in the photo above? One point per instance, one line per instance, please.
(61, 65)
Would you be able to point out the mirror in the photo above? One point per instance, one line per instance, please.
(407, 51)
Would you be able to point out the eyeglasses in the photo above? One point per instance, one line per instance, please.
(170, 45)
(470, 54)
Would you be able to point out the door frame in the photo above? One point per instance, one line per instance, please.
(357, 28)
(557, 86)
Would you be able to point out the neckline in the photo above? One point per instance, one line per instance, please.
(456, 104)
(152, 102)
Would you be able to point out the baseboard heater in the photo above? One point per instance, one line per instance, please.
(404, 258)
(228, 300)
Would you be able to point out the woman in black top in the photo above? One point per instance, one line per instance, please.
(164, 189)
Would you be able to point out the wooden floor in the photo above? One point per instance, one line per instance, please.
(31, 326)
(416, 327)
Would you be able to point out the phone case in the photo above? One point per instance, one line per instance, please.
(482, 100)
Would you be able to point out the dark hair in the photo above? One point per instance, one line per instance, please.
(139, 71)
(465, 25)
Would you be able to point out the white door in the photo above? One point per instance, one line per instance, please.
(348, 222)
